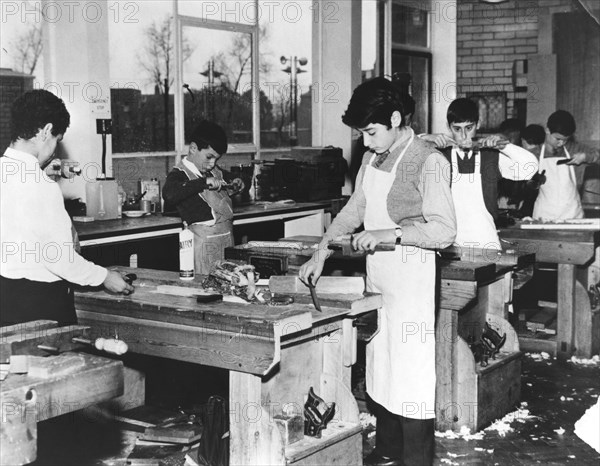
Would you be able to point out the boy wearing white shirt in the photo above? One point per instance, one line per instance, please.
(476, 168)
(39, 261)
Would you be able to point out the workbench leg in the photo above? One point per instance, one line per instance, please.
(566, 307)
(254, 438)
(586, 325)
(445, 349)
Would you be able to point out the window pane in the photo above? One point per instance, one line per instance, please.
(409, 25)
(217, 77)
(232, 11)
(21, 59)
(142, 72)
(286, 40)
(418, 69)
(369, 39)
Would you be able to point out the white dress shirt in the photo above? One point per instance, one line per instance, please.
(35, 229)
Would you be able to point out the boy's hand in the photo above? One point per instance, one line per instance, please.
(496, 141)
(214, 183)
(577, 159)
(439, 140)
(115, 282)
(367, 240)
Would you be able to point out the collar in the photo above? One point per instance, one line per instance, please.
(25, 157)
(193, 168)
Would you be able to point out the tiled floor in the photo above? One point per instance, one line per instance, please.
(556, 394)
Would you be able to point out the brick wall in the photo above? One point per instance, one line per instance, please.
(491, 37)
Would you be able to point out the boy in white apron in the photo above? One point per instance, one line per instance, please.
(401, 196)
(475, 173)
(194, 188)
(558, 198)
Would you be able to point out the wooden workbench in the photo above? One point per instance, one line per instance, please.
(28, 399)
(578, 257)
(473, 291)
(273, 354)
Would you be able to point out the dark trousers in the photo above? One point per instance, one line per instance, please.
(411, 440)
(23, 300)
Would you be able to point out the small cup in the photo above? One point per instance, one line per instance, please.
(146, 206)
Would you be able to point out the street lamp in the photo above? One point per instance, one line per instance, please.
(293, 70)
(211, 74)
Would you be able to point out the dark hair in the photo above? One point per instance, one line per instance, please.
(373, 101)
(462, 110)
(534, 134)
(561, 122)
(210, 134)
(511, 125)
(34, 110)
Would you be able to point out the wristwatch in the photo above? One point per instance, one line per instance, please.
(398, 232)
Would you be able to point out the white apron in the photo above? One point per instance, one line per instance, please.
(475, 226)
(400, 373)
(210, 241)
(558, 198)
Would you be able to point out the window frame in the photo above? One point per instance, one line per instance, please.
(182, 21)
(390, 47)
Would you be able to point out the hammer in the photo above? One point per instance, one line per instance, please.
(344, 243)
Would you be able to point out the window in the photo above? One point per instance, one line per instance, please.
(369, 43)
(217, 78)
(407, 39)
(142, 72)
(262, 100)
(285, 72)
(21, 59)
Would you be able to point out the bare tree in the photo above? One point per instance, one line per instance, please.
(158, 60)
(158, 56)
(28, 49)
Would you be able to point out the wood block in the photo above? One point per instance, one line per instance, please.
(55, 366)
(341, 285)
(291, 427)
(152, 454)
(142, 417)
(174, 433)
(19, 364)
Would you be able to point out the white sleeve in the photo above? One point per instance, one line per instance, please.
(516, 163)
(57, 246)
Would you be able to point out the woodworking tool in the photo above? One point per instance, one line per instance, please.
(313, 294)
(344, 243)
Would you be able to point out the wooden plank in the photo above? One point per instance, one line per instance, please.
(566, 310)
(445, 357)
(341, 443)
(498, 388)
(208, 345)
(27, 400)
(464, 270)
(59, 338)
(355, 303)
(256, 319)
(325, 285)
(26, 327)
(501, 259)
(254, 440)
(556, 246)
(457, 294)
(586, 335)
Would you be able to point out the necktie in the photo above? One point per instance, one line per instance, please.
(380, 158)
